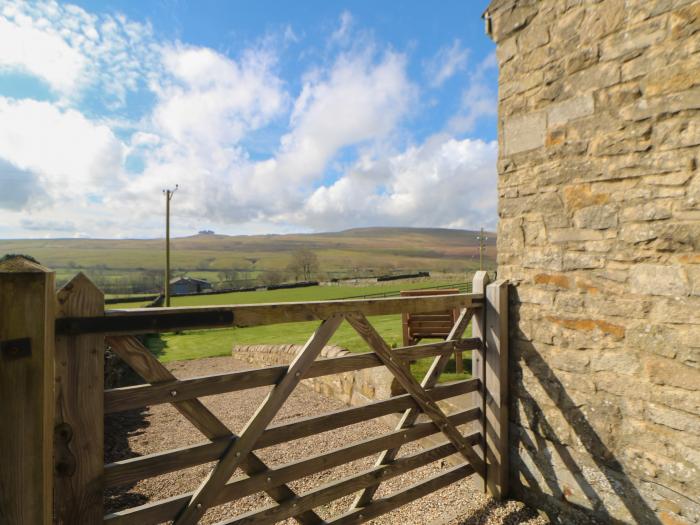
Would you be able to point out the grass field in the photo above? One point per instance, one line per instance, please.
(214, 343)
(351, 252)
(362, 252)
(312, 293)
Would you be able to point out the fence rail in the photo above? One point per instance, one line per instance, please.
(81, 329)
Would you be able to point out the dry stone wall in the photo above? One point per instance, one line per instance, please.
(355, 388)
(599, 205)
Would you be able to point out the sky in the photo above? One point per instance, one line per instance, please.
(271, 116)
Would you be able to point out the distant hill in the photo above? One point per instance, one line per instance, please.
(354, 251)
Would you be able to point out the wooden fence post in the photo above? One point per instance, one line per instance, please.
(479, 283)
(26, 391)
(497, 388)
(79, 409)
(490, 324)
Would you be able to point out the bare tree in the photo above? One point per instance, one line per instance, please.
(304, 263)
(272, 277)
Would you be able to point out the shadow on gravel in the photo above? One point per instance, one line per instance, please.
(118, 428)
(506, 513)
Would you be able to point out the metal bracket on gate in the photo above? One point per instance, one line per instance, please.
(16, 348)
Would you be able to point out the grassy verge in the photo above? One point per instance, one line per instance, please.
(215, 343)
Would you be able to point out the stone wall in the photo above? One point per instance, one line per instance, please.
(599, 135)
(352, 388)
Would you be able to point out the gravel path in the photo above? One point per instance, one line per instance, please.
(161, 428)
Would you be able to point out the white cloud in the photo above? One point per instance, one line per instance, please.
(342, 34)
(71, 49)
(357, 101)
(446, 63)
(443, 182)
(70, 154)
(210, 99)
(208, 108)
(39, 53)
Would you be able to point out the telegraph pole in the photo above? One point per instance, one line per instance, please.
(482, 239)
(168, 197)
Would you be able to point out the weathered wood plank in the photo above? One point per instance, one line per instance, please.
(496, 385)
(337, 489)
(138, 396)
(27, 304)
(149, 368)
(479, 282)
(149, 320)
(134, 469)
(240, 448)
(164, 510)
(79, 374)
(414, 492)
(145, 364)
(411, 415)
(408, 382)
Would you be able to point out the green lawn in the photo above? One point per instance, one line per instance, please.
(312, 293)
(196, 344)
(214, 343)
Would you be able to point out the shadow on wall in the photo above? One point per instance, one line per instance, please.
(539, 442)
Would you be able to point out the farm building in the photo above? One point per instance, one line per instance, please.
(183, 285)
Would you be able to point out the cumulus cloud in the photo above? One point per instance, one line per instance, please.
(358, 100)
(19, 187)
(442, 182)
(67, 152)
(210, 98)
(70, 153)
(347, 119)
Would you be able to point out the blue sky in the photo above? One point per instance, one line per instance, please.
(271, 116)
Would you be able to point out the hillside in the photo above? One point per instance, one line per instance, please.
(358, 251)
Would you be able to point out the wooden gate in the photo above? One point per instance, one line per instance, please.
(67, 372)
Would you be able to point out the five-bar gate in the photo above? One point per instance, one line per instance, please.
(54, 402)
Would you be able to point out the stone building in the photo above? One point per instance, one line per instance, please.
(599, 135)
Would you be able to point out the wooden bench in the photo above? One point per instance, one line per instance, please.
(432, 325)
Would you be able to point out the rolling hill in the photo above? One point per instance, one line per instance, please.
(357, 251)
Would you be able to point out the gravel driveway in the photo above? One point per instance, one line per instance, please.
(161, 427)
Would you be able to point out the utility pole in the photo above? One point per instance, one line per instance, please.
(482, 239)
(168, 197)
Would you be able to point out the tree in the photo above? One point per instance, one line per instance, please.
(304, 263)
(272, 277)
(228, 276)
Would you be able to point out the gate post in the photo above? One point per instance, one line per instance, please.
(79, 409)
(26, 391)
(490, 365)
(479, 283)
(496, 381)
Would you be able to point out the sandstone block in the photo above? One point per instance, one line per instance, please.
(582, 261)
(634, 40)
(596, 217)
(658, 279)
(649, 211)
(649, 107)
(562, 235)
(582, 59)
(580, 195)
(524, 133)
(571, 109)
(663, 371)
